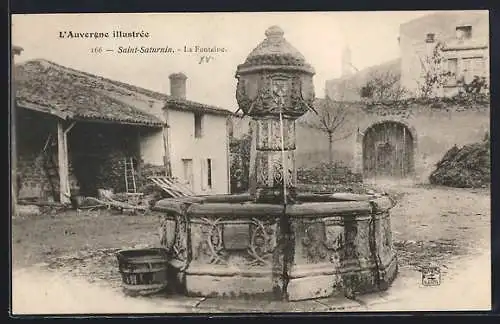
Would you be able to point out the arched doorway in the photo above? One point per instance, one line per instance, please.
(388, 150)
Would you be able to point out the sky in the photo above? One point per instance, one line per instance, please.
(319, 36)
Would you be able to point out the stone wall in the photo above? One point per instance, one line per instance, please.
(438, 125)
(33, 131)
(33, 178)
(327, 173)
(32, 181)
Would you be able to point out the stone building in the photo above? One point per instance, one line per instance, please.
(409, 137)
(76, 130)
(465, 36)
(347, 87)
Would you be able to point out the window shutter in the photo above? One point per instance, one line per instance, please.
(210, 173)
(203, 174)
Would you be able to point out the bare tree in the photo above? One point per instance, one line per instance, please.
(383, 87)
(330, 118)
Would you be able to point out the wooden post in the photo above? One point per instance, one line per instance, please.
(166, 157)
(62, 159)
(16, 50)
(166, 143)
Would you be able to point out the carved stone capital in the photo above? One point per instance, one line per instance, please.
(268, 94)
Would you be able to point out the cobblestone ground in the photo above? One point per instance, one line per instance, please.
(450, 227)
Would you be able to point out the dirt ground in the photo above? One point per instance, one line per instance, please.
(65, 262)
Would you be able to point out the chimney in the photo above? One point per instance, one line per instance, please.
(178, 85)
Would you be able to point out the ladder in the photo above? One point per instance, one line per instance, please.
(50, 166)
(130, 185)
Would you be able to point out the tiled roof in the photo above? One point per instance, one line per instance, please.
(77, 94)
(181, 104)
(46, 87)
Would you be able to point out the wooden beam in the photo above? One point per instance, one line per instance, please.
(62, 159)
(166, 156)
(113, 122)
(166, 142)
(66, 131)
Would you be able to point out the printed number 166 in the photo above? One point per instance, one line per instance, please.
(96, 50)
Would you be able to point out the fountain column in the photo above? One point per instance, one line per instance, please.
(269, 159)
(275, 88)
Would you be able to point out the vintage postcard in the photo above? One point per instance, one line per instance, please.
(250, 162)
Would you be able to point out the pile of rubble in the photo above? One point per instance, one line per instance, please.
(466, 167)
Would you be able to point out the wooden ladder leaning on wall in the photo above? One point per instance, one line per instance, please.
(129, 169)
(50, 166)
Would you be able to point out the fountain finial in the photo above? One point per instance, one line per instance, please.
(274, 32)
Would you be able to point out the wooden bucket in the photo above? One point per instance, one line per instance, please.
(143, 271)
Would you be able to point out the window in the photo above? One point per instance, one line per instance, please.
(473, 66)
(453, 68)
(430, 38)
(198, 122)
(209, 173)
(481, 67)
(464, 32)
(467, 66)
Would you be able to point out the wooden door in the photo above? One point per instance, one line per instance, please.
(387, 151)
(384, 155)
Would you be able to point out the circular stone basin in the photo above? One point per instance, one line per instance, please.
(320, 246)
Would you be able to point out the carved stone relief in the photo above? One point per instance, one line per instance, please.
(245, 243)
(385, 240)
(351, 231)
(210, 247)
(167, 231)
(289, 93)
(321, 243)
(263, 242)
(269, 134)
(270, 169)
(362, 240)
(179, 248)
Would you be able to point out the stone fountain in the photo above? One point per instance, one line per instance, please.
(275, 241)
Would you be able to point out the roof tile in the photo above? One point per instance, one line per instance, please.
(67, 92)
